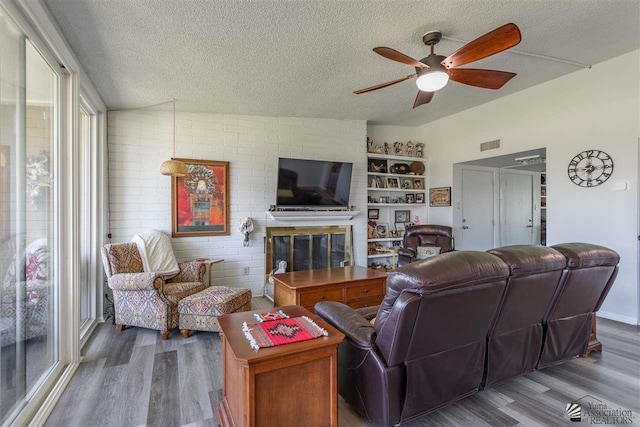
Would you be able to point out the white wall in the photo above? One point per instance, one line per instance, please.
(141, 197)
(382, 133)
(589, 109)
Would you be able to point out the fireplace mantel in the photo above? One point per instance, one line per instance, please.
(311, 215)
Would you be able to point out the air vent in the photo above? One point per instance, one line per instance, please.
(490, 145)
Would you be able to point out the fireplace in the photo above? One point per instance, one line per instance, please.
(307, 248)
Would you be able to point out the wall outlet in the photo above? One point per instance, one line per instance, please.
(245, 271)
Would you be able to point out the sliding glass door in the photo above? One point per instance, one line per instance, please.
(29, 240)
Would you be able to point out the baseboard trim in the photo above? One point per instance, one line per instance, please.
(52, 399)
(618, 317)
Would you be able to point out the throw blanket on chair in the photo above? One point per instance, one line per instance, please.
(156, 253)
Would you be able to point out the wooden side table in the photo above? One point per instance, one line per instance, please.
(209, 263)
(278, 386)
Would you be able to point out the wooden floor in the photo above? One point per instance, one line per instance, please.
(134, 378)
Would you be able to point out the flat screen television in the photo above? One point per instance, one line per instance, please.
(313, 183)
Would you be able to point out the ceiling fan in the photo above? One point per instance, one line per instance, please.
(434, 71)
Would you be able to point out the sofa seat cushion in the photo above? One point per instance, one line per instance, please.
(175, 292)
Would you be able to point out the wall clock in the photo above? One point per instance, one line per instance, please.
(590, 168)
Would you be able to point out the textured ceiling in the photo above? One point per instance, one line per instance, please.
(304, 58)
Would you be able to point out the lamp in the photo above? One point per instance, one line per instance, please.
(174, 167)
(433, 78)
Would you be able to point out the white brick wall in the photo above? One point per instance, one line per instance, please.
(140, 197)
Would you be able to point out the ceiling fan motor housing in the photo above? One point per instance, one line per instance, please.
(435, 64)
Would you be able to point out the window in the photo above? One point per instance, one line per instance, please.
(29, 212)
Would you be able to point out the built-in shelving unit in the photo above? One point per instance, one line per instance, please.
(543, 209)
(387, 191)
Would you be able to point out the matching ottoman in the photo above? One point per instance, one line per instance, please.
(200, 312)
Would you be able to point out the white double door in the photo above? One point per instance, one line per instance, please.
(496, 208)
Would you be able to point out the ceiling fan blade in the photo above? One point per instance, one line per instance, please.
(422, 98)
(493, 42)
(381, 85)
(488, 79)
(394, 55)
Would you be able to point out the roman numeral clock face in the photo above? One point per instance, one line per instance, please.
(590, 168)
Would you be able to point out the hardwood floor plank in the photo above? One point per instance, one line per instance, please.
(107, 402)
(164, 403)
(195, 404)
(136, 389)
(119, 347)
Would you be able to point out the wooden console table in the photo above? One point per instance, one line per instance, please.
(279, 386)
(355, 286)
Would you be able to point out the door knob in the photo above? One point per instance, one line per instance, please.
(464, 227)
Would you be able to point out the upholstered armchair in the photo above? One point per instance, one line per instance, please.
(440, 236)
(146, 299)
(31, 286)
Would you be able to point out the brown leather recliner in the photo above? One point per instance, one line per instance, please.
(443, 317)
(424, 235)
(427, 347)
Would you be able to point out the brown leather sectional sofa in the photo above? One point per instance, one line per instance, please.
(459, 322)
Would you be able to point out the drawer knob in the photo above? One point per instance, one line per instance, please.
(365, 291)
(322, 297)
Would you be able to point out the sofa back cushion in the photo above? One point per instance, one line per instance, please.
(591, 271)
(440, 312)
(515, 339)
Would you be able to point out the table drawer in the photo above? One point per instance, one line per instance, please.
(365, 290)
(369, 302)
(310, 298)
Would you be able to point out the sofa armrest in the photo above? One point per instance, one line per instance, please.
(368, 312)
(408, 252)
(348, 321)
(135, 281)
(190, 271)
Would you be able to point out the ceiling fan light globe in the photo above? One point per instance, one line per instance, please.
(432, 81)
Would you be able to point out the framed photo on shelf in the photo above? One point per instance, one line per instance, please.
(393, 182)
(382, 230)
(402, 216)
(200, 200)
(407, 184)
(377, 165)
(400, 228)
(420, 198)
(374, 214)
(417, 184)
(384, 199)
(440, 197)
(411, 198)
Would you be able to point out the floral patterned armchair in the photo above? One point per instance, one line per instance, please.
(32, 289)
(146, 299)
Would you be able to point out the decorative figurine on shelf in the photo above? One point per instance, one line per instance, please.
(410, 149)
(419, 149)
(386, 148)
(378, 149)
(369, 145)
(398, 148)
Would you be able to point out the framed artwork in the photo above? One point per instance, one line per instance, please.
(411, 198)
(374, 214)
(200, 200)
(382, 230)
(377, 165)
(400, 228)
(393, 183)
(440, 197)
(420, 198)
(407, 184)
(417, 184)
(402, 216)
(384, 199)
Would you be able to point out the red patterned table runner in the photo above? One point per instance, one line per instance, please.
(283, 331)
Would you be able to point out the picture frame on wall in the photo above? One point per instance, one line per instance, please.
(374, 214)
(440, 197)
(402, 216)
(200, 200)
